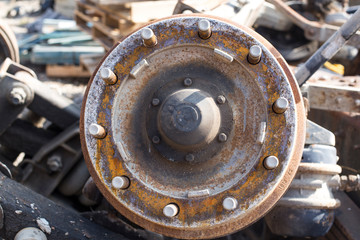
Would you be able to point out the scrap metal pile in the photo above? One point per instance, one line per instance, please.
(193, 126)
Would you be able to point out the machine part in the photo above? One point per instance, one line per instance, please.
(97, 131)
(254, 55)
(171, 210)
(317, 31)
(65, 222)
(271, 162)
(65, 146)
(30, 233)
(8, 44)
(5, 170)
(54, 163)
(189, 167)
(309, 203)
(148, 37)
(121, 182)
(280, 105)
(91, 192)
(204, 29)
(230, 203)
(46, 102)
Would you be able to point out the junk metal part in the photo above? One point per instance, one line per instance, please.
(8, 44)
(188, 120)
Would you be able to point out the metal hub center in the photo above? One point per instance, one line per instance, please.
(189, 119)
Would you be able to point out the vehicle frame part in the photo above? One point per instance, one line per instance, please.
(184, 180)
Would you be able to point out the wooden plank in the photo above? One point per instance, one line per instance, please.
(90, 61)
(142, 12)
(64, 71)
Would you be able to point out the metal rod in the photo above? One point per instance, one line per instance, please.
(329, 48)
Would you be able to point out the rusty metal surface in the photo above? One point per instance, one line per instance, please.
(236, 170)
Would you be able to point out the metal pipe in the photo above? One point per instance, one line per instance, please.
(328, 49)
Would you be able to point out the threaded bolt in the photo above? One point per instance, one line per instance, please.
(108, 76)
(230, 203)
(148, 36)
(171, 210)
(204, 27)
(120, 182)
(97, 131)
(254, 55)
(271, 162)
(280, 105)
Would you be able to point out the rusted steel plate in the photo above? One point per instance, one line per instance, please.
(197, 186)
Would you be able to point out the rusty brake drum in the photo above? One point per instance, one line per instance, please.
(193, 127)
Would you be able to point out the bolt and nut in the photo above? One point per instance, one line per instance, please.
(222, 137)
(254, 55)
(204, 27)
(221, 99)
(54, 163)
(120, 182)
(97, 131)
(187, 82)
(17, 96)
(271, 162)
(108, 76)
(148, 37)
(155, 102)
(171, 210)
(230, 203)
(280, 105)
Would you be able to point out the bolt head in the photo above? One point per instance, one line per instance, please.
(17, 96)
(108, 76)
(155, 140)
(120, 182)
(189, 157)
(221, 99)
(222, 137)
(204, 25)
(187, 82)
(147, 33)
(271, 162)
(230, 203)
(54, 163)
(97, 131)
(281, 105)
(155, 102)
(254, 56)
(171, 210)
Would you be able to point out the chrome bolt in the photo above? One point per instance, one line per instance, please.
(148, 36)
(222, 137)
(271, 162)
(171, 210)
(155, 102)
(156, 140)
(280, 105)
(120, 182)
(254, 54)
(204, 29)
(189, 157)
(221, 99)
(17, 96)
(230, 203)
(108, 76)
(54, 163)
(188, 82)
(97, 131)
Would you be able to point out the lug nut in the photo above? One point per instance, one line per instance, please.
(187, 82)
(97, 131)
(120, 182)
(108, 76)
(254, 54)
(148, 36)
(189, 157)
(171, 210)
(155, 102)
(17, 96)
(221, 99)
(230, 203)
(156, 140)
(280, 105)
(204, 29)
(222, 137)
(271, 162)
